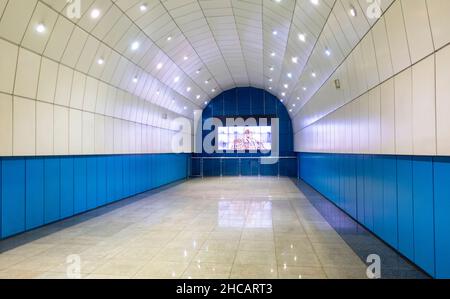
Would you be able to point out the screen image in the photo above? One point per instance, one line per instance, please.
(245, 138)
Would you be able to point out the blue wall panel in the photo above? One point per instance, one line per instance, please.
(389, 206)
(101, 181)
(34, 193)
(91, 183)
(423, 213)
(52, 196)
(404, 200)
(80, 187)
(442, 216)
(13, 196)
(39, 190)
(405, 206)
(67, 191)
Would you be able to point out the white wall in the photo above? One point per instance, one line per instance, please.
(397, 105)
(55, 99)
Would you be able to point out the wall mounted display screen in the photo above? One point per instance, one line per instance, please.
(245, 138)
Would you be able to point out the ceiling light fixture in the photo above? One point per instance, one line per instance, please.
(295, 59)
(100, 61)
(135, 79)
(313, 75)
(143, 7)
(188, 89)
(169, 38)
(40, 28)
(352, 11)
(289, 75)
(176, 79)
(135, 46)
(315, 2)
(327, 52)
(159, 66)
(95, 13)
(302, 37)
(198, 97)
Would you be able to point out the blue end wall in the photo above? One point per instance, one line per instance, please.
(36, 191)
(402, 199)
(249, 101)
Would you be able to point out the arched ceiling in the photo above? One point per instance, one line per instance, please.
(179, 54)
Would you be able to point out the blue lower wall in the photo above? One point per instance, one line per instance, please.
(36, 191)
(405, 200)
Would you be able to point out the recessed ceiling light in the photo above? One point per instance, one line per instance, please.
(158, 92)
(95, 13)
(100, 61)
(290, 110)
(185, 58)
(135, 46)
(185, 108)
(293, 105)
(213, 90)
(295, 59)
(40, 28)
(277, 1)
(206, 103)
(313, 75)
(206, 81)
(281, 100)
(176, 79)
(188, 89)
(169, 38)
(270, 87)
(304, 88)
(289, 75)
(302, 37)
(159, 66)
(198, 97)
(135, 79)
(298, 98)
(352, 11)
(273, 54)
(270, 80)
(286, 86)
(143, 7)
(272, 68)
(327, 52)
(275, 32)
(315, 2)
(283, 94)
(198, 71)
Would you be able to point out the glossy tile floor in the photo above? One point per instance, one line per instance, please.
(202, 228)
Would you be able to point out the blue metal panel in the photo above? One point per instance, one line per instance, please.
(80, 185)
(390, 214)
(368, 192)
(34, 193)
(360, 199)
(67, 180)
(13, 196)
(52, 179)
(377, 195)
(442, 216)
(127, 188)
(111, 180)
(91, 183)
(231, 103)
(101, 181)
(423, 213)
(405, 206)
(243, 101)
(118, 172)
(230, 167)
